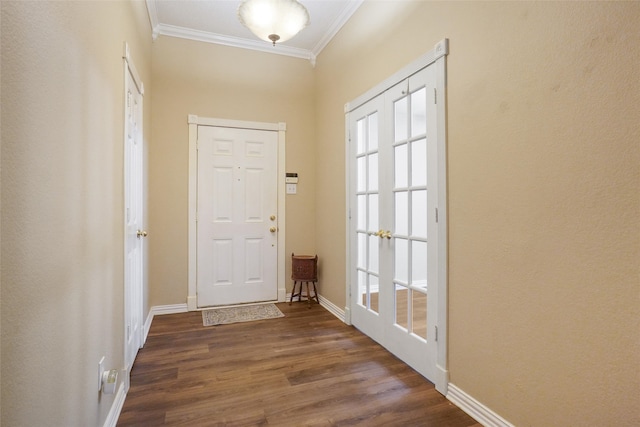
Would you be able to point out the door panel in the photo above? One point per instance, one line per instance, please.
(236, 198)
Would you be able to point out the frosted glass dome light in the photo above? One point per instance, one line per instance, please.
(273, 20)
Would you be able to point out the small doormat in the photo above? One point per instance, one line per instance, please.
(221, 316)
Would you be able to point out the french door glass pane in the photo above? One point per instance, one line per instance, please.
(362, 250)
(361, 142)
(373, 212)
(373, 132)
(419, 163)
(419, 213)
(401, 213)
(402, 306)
(401, 260)
(419, 314)
(362, 212)
(401, 166)
(400, 108)
(418, 263)
(361, 170)
(374, 293)
(418, 112)
(362, 288)
(373, 172)
(373, 253)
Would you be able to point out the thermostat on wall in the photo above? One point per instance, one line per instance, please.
(291, 178)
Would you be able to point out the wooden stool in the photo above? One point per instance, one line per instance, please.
(304, 268)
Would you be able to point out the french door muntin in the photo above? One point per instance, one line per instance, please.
(393, 167)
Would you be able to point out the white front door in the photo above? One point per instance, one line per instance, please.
(237, 218)
(393, 229)
(134, 230)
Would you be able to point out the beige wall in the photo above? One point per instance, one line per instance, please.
(229, 83)
(62, 203)
(544, 194)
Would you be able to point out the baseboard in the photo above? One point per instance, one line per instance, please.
(331, 308)
(475, 409)
(158, 310)
(328, 305)
(116, 407)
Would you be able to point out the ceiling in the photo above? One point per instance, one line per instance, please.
(215, 21)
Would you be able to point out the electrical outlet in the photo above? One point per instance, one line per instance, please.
(100, 372)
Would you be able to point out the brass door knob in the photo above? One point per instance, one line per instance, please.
(273, 229)
(382, 234)
(141, 233)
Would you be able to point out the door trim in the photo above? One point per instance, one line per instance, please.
(194, 121)
(437, 57)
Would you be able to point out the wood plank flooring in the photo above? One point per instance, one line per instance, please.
(305, 369)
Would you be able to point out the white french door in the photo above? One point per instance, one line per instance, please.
(134, 227)
(366, 234)
(396, 243)
(237, 216)
(410, 205)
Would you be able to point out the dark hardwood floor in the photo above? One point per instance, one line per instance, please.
(305, 369)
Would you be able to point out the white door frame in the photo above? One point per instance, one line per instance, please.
(194, 121)
(437, 57)
(131, 310)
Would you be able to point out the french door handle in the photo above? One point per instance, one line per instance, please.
(382, 234)
(141, 233)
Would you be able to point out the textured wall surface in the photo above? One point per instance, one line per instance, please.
(544, 193)
(62, 204)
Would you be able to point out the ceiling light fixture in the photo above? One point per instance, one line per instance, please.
(273, 20)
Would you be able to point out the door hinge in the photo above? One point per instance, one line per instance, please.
(435, 95)
(436, 214)
(436, 328)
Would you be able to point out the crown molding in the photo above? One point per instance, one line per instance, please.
(349, 9)
(204, 36)
(153, 17)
